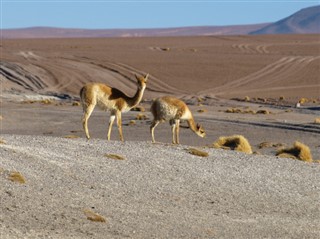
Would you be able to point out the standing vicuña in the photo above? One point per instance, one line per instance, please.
(108, 98)
(174, 110)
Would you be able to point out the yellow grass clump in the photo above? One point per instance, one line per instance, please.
(71, 136)
(16, 177)
(317, 121)
(202, 110)
(141, 117)
(2, 141)
(298, 151)
(114, 156)
(234, 142)
(247, 98)
(92, 216)
(197, 152)
(1, 118)
(76, 103)
(303, 100)
(138, 108)
(265, 112)
(132, 122)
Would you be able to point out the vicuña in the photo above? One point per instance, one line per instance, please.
(174, 110)
(111, 99)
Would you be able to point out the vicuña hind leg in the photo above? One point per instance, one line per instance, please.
(86, 116)
(152, 127)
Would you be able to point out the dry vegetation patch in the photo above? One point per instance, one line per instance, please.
(71, 136)
(92, 216)
(141, 117)
(115, 156)
(16, 177)
(2, 141)
(269, 145)
(234, 142)
(197, 152)
(298, 151)
(317, 121)
(138, 108)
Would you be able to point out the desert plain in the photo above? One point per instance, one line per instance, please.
(234, 85)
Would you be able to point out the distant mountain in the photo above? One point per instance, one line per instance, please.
(305, 21)
(49, 32)
(302, 22)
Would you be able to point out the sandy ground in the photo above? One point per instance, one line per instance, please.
(159, 190)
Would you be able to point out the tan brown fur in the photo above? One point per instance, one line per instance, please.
(173, 110)
(111, 99)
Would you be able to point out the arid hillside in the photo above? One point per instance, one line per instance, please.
(223, 66)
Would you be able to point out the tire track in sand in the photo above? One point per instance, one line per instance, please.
(273, 72)
(251, 49)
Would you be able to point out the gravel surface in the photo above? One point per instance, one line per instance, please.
(157, 191)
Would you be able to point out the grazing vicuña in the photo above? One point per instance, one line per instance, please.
(108, 98)
(174, 110)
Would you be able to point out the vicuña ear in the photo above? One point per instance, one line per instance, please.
(198, 126)
(146, 77)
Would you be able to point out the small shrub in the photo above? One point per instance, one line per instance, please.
(247, 98)
(281, 98)
(114, 156)
(71, 136)
(76, 103)
(197, 152)
(92, 216)
(298, 151)
(16, 177)
(235, 142)
(132, 122)
(265, 112)
(138, 108)
(202, 110)
(2, 141)
(303, 100)
(317, 121)
(141, 117)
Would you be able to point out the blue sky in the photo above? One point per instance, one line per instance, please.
(103, 14)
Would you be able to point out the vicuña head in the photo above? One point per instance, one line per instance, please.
(111, 99)
(174, 110)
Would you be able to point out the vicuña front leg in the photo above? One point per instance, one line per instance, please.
(152, 127)
(111, 120)
(119, 123)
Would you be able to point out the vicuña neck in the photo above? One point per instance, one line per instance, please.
(192, 124)
(135, 100)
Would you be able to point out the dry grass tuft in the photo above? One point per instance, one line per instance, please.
(2, 141)
(233, 110)
(298, 151)
(138, 108)
(235, 142)
(197, 152)
(132, 122)
(141, 117)
(92, 216)
(71, 136)
(1, 118)
(269, 145)
(202, 110)
(281, 98)
(16, 177)
(247, 98)
(317, 121)
(76, 103)
(114, 156)
(265, 112)
(303, 100)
